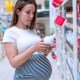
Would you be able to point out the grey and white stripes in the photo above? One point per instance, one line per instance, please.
(37, 67)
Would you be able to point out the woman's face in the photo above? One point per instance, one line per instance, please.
(25, 16)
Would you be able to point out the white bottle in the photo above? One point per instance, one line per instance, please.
(49, 39)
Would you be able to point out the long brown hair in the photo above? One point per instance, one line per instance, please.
(18, 6)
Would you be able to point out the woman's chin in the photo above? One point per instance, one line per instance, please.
(28, 24)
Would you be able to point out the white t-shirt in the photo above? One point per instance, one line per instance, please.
(23, 38)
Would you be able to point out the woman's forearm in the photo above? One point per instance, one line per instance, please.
(22, 57)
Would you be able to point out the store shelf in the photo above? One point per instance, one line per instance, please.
(79, 35)
(69, 49)
(44, 18)
(69, 66)
(70, 71)
(79, 29)
(66, 40)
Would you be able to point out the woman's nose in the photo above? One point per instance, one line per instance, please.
(31, 16)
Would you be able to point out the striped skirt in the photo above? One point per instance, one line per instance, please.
(37, 67)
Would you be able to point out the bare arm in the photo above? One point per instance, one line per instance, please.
(14, 58)
(17, 59)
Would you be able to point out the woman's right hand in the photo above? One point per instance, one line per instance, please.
(40, 46)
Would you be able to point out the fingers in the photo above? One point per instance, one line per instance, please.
(41, 46)
(46, 52)
(53, 46)
(42, 43)
(46, 49)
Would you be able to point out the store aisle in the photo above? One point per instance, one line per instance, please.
(55, 73)
(6, 71)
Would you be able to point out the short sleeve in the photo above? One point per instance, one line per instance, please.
(9, 36)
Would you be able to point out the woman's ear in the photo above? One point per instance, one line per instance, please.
(18, 12)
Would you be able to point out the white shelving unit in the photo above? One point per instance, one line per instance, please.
(66, 52)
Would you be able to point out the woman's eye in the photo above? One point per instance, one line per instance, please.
(27, 12)
(30, 12)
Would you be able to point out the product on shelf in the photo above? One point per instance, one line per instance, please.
(57, 3)
(69, 9)
(9, 6)
(78, 41)
(60, 21)
(54, 56)
(78, 46)
(69, 25)
(78, 6)
(78, 13)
